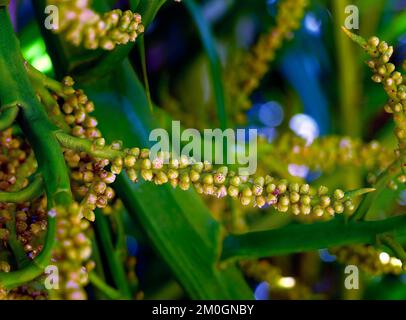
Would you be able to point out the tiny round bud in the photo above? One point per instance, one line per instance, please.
(245, 201)
(294, 197)
(338, 194)
(235, 181)
(129, 161)
(304, 189)
(322, 190)
(318, 211)
(373, 41)
(146, 174)
(305, 200)
(132, 175)
(146, 164)
(233, 191)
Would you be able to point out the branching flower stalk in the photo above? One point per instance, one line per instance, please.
(246, 77)
(81, 25)
(220, 182)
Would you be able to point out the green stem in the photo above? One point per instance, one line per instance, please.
(120, 244)
(7, 117)
(84, 145)
(115, 265)
(104, 287)
(300, 238)
(367, 202)
(40, 78)
(31, 192)
(141, 48)
(16, 86)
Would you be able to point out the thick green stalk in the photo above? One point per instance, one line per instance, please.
(349, 86)
(110, 292)
(300, 238)
(15, 87)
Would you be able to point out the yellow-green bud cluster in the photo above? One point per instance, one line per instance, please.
(71, 253)
(245, 75)
(14, 152)
(89, 176)
(16, 165)
(90, 181)
(395, 87)
(220, 182)
(31, 224)
(327, 153)
(79, 24)
(75, 108)
(369, 259)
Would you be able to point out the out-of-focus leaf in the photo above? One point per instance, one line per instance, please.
(214, 60)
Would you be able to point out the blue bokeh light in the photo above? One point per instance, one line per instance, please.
(325, 256)
(262, 291)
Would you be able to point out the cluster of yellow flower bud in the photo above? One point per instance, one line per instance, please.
(221, 182)
(245, 76)
(13, 153)
(89, 178)
(81, 25)
(393, 82)
(72, 253)
(31, 224)
(29, 218)
(369, 259)
(327, 153)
